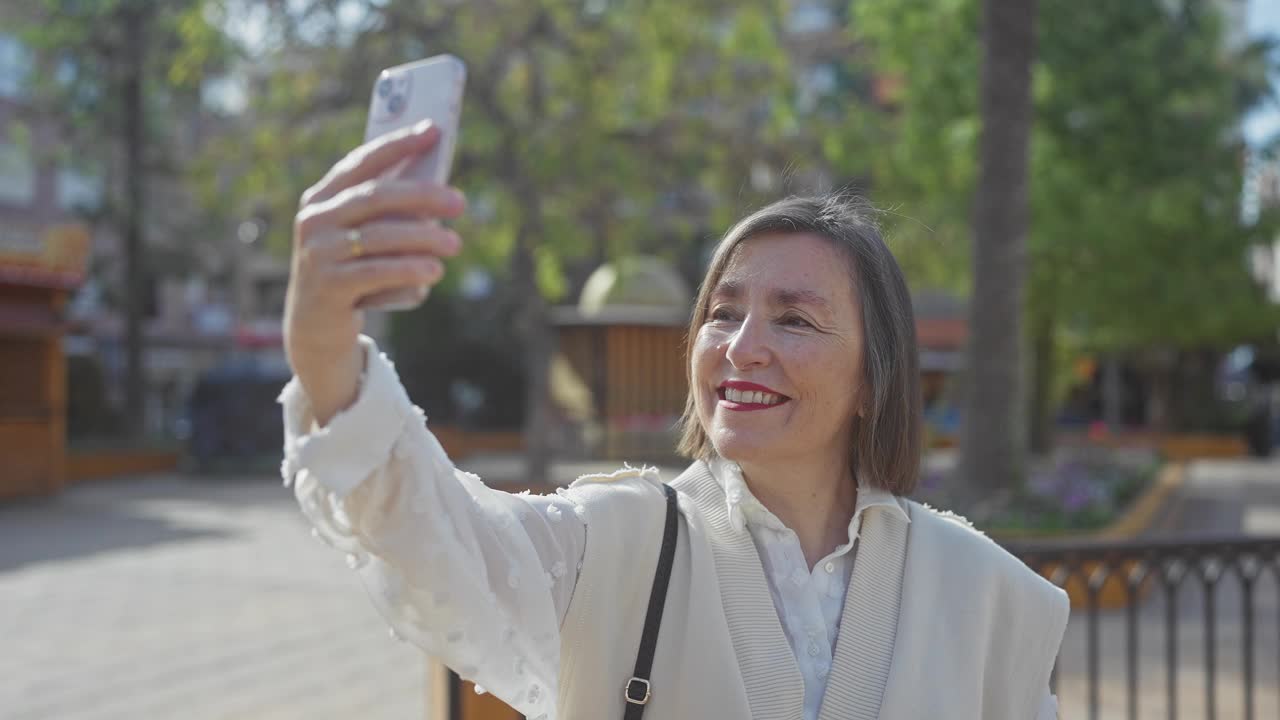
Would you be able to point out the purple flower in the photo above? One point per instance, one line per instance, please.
(1076, 499)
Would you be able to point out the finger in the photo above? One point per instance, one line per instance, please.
(363, 277)
(375, 199)
(390, 238)
(372, 159)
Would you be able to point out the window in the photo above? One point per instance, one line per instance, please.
(815, 83)
(17, 174)
(225, 95)
(270, 292)
(78, 191)
(15, 66)
(810, 16)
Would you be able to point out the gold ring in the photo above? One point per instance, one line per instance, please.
(355, 242)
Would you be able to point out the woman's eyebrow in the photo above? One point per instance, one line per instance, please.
(734, 289)
(728, 289)
(788, 296)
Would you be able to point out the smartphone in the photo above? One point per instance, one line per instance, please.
(405, 95)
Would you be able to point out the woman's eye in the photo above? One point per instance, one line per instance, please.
(720, 314)
(796, 321)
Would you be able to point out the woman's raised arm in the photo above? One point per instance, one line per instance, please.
(479, 578)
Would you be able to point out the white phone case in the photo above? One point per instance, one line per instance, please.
(405, 95)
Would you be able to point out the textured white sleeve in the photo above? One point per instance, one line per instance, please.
(478, 578)
(1048, 707)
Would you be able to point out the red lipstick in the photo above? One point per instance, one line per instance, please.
(744, 386)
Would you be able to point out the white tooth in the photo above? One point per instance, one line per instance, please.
(732, 395)
(748, 396)
(757, 397)
(769, 399)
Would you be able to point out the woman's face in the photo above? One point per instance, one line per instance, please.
(776, 363)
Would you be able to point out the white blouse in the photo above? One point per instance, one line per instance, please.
(809, 603)
(481, 579)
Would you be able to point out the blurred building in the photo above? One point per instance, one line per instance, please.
(206, 299)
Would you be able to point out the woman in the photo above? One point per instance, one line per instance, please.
(804, 584)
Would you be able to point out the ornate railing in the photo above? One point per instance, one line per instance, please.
(1130, 585)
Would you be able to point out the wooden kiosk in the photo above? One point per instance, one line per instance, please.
(619, 376)
(37, 274)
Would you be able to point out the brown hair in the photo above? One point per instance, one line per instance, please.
(887, 444)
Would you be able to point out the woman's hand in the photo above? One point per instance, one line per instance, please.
(357, 234)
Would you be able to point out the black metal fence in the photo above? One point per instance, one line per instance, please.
(1123, 583)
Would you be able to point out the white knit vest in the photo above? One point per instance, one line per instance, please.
(938, 621)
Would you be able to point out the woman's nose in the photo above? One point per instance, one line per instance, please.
(749, 345)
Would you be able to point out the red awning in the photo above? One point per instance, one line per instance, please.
(941, 333)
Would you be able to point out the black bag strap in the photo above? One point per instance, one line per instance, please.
(638, 691)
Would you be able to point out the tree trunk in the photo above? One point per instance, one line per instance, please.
(992, 445)
(538, 346)
(1042, 384)
(133, 19)
(1194, 398)
(538, 334)
(1158, 370)
(1159, 400)
(1112, 393)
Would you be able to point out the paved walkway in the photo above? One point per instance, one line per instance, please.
(187, 598)
(196, 598)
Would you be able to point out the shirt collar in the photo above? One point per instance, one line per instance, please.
(745, 509)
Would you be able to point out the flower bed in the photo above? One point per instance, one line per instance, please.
(1087, 493)
(1078, 491)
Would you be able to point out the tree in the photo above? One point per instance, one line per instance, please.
(590, 130)
(1143, 246)
(113, 76)
(991, 446)
(1136, 242)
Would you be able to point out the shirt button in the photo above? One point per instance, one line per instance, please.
(814, 649)
(830, 567)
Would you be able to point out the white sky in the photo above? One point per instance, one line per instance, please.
(1264, 19)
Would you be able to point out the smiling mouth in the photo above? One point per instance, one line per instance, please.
(736, 399)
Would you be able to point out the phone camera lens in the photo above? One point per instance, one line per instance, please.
(396, 104)
(384, 87)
